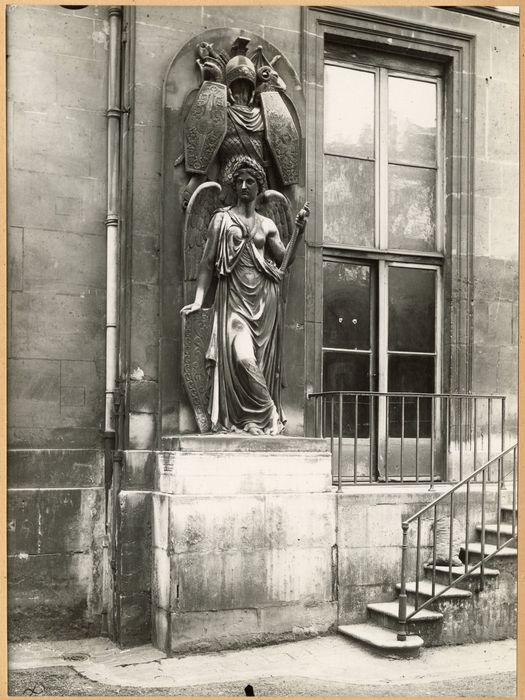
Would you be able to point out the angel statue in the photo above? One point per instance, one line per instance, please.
(243, 261)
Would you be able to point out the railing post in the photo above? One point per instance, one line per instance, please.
(340, 446)
(503, 417)
(402, 614)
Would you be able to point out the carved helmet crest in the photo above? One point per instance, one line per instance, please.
(240, 67)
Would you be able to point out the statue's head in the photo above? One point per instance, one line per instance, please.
(240, 68)
(239, 164)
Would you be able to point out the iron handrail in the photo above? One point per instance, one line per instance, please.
(403, 617)
(314, 394)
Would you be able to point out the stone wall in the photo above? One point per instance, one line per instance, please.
(56, 148)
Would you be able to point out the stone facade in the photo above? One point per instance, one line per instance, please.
(57, 98)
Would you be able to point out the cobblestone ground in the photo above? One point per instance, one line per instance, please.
(62, 680)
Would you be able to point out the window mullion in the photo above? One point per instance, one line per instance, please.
(382, 158)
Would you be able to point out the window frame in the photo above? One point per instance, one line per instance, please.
(455, 51)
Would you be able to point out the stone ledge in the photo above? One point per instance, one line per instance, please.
(238, 442)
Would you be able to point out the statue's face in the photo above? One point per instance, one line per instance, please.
(242, 91)
(246, 185)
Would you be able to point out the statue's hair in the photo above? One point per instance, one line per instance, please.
(237, 163)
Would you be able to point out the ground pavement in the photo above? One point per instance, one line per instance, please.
(329, 665)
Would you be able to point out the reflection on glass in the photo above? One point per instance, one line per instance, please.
(411, 208)
(411, 309)
(349, 112)
(412, 121)
(348, 201)
(410, 374)
(346, 314)
(348, 372)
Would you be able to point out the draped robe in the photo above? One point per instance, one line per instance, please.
(245, 350)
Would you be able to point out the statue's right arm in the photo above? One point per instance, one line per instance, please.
(206, 267)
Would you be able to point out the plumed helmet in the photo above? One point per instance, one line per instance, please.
(240, 68)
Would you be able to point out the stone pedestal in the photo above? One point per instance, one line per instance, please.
(243, 530)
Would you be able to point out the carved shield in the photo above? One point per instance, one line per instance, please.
(205, 127)
(196, 336)
(282, 136)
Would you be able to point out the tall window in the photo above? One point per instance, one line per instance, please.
(382, 232)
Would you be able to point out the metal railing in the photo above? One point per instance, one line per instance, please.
(449, 500)
(408, 437)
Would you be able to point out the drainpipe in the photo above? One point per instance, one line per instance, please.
(112, 238)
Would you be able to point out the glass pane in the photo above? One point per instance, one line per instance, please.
(412, 125)
(410, 374)
(411, 309)
(349, 112)
(350, 372)
(349, 215)
(346, 314)
(411, 208)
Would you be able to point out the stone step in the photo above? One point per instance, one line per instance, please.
(474, 553)
(505, 533)
(506, 514)
(243, 442)
(457, 571)
(382, 640)
(425, 590)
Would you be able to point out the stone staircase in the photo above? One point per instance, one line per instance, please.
(462, 614)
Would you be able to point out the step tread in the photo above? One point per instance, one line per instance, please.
(425, 588)
(391, 609)
(379, 637)
(475, 548)
(504, 528)
(460, 570)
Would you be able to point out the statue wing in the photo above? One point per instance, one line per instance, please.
(201, 207)
(276, 206)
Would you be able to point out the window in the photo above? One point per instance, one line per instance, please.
(383, 238)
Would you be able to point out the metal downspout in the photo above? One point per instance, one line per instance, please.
(112, 241)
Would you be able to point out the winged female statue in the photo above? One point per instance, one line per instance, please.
(237, 262)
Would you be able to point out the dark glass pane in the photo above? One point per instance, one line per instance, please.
(346, 298)
(347, 372)
(410, 374)
(349, 210)
(411, 309)
(411, 208)
(349, 112)
(412, 121)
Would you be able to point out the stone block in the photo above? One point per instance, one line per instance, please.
(160, 621)
(146, 263)
(31, 75)
(362, 566)
(143, 396)
(285, 37)
(33, 392)
(51, 30)
(135, 619)
(46, 192)
(218, 580)
(504, 54)
(64, 262)
(289, 518)
(482, 225)
(170, 17)
(504, 227)
(156, 47)
(230, 523)
(298, 574)
(502, 121)
(145, 324)
(59, 141)
(135, 565)
(212, 630)
(354, 599)
(160, 515)
(142, 431)
(146, 222)
(135, 516)
(49, 596)
(298, 619)
(15, 263)
(161, 579)
(58, 326)
(72, 397)
(48, 438)
(54, 468)
(147, 152)
(137, 470)
(82, 84)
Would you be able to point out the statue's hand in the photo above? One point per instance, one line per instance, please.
(302, 216)
(190, 308)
